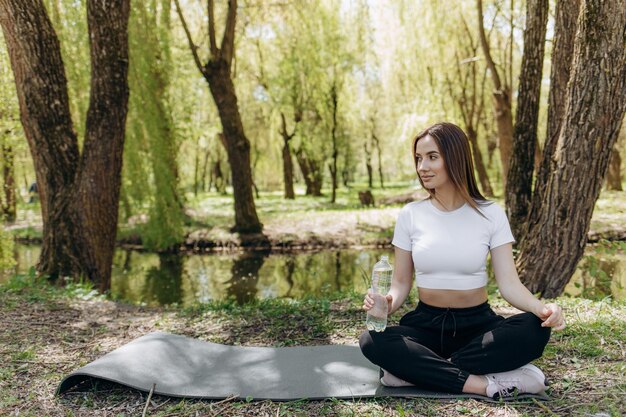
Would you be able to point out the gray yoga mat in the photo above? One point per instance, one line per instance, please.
(191, 368)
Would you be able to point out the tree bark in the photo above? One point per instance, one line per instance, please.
(287, 161)
(520, 176)
(566, 16)
(41, 88)
(100, 171)
(594, 110)
(79, 196)
(614, 176)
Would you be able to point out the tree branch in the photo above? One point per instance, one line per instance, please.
(485, 46)
(228, 41)
(192, 46)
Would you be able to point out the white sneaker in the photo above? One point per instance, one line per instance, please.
(527, 379)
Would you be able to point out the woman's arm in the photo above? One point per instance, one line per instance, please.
(517, 294)
(400, 284)
(402, 279)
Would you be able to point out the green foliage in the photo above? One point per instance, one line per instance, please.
(69, 18)
(151, 171)
(7, 259)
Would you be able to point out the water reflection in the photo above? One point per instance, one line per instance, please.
(164, 279)
(242, 286)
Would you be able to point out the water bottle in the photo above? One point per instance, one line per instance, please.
(381, 282)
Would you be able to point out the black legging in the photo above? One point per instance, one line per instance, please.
(438, 348)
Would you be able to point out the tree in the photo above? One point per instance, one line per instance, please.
(566, 15)
(595, 105)
(151, 128)
(467, 90)
(79, 193)
(217, 73)
(287, 161)
(519, 182)
(502, 100)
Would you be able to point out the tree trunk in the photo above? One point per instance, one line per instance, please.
(217, 72)
(501, 101)
(368, 165)
(79, 198)
(595, 105)
(310, 172)
(380, 160)
(483, 177)
(335, 154)
(44, 111)
(196, 168)
(614, 176)
(9, 208)
(237, 146)
(518, 191)
(562, 53)
(100, 171)
(287, 161)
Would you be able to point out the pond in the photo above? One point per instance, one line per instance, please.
(186, 279)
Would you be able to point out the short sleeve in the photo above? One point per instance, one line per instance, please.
(501, 230)
(401, 233)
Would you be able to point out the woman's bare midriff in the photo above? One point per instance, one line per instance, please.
(453, 298)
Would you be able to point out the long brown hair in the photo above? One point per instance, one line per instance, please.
(457, 157)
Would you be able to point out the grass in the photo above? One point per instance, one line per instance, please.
(48, 331)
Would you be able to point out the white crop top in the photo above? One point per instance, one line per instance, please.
(449, 248)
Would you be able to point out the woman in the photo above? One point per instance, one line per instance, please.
(453, 341)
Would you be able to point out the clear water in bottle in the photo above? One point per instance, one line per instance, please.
(381, 282)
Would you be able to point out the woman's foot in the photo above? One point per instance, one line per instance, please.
(390, 380)
(527, 379)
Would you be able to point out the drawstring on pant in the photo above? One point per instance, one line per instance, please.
(443, 324)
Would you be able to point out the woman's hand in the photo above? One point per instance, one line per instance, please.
(552, 316)
(368, 302)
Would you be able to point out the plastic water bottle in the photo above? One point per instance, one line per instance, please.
(381, 282)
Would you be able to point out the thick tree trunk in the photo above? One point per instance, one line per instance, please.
(44, 111)
(79, 198)
(483, 177)
(217, 74)
(614, 176)
(9, 208)
(100, 171)
(562, 53)
(520, 176)
(595, 105)
(287, 161)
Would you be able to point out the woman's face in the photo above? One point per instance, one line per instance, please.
(430, 165)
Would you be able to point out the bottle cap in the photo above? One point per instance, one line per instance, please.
(384, 258)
